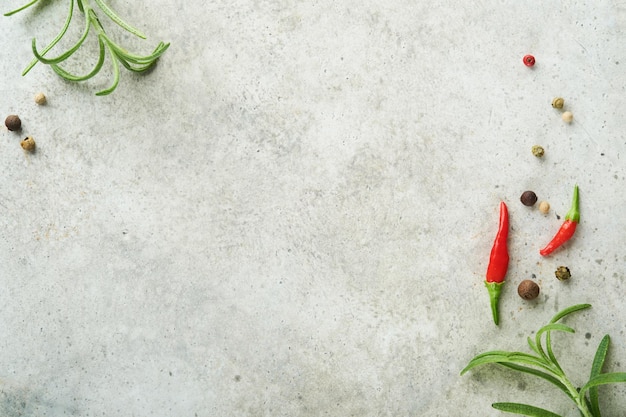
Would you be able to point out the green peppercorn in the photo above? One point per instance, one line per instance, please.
(538, 151)
(562, 273)
(13, 122)
(558, 103)
(528, 198)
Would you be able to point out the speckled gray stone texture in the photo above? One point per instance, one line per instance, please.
(292, 214)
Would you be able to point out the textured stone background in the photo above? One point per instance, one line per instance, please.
(292, 214)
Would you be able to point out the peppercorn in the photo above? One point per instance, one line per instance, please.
(40, 98)
(528, 290)
(544, 207)
(538, 151)
(28, 144)
(558, 103)
(13, 122)
(567, 117)
(529, 60)
(562, 273)
(528, 198)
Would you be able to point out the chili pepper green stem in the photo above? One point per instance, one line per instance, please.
(494, 289)
(574, 212)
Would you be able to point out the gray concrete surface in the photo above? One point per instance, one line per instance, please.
(292, 214)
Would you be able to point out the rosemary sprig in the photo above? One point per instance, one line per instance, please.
(543, 364)
(117, 53)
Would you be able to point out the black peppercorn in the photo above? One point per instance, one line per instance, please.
(528, 198)
(13, 122)
(528, 290)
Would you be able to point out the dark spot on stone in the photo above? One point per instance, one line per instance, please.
(237, 378)
(587, 335)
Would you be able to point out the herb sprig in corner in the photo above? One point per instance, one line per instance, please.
(543, 364)
(117, 53)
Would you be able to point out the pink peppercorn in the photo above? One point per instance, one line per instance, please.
(529, 60)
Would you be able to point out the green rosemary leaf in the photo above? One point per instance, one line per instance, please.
(116, 75)
(70, 77)
(596, 369)
(602, 379)
(548, 331)
(114, 17)
(54, 41)
(569, 310)
(501, 357)
(533, 346)
(553, 380)
(524, 409)
(549, 357)
(12, 12)
(136, 59)
(65, 54)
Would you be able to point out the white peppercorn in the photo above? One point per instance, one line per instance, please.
(40, 98)
(567, 117)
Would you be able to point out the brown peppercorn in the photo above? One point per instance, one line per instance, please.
(28, 144)
(13, 122)
(528, 290)
(538, 151)
(558, 103)
(562, 273)
(528, 198)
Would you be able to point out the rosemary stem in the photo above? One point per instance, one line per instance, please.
(581, 404)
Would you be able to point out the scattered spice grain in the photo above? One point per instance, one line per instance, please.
(13, 122)
(538, 151)
(528, 198)
(567, 117)
(528, 290)
(28, 144)
(558, 103)
(562, 273)
(40, 98)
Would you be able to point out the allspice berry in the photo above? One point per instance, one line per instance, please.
(28, 144)
(558, 103)
(528, 290)
(528, 198)
(562, 273)
(538, 151)
(13, 122)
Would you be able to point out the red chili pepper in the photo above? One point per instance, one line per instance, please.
(498, 262)
(567, 228)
